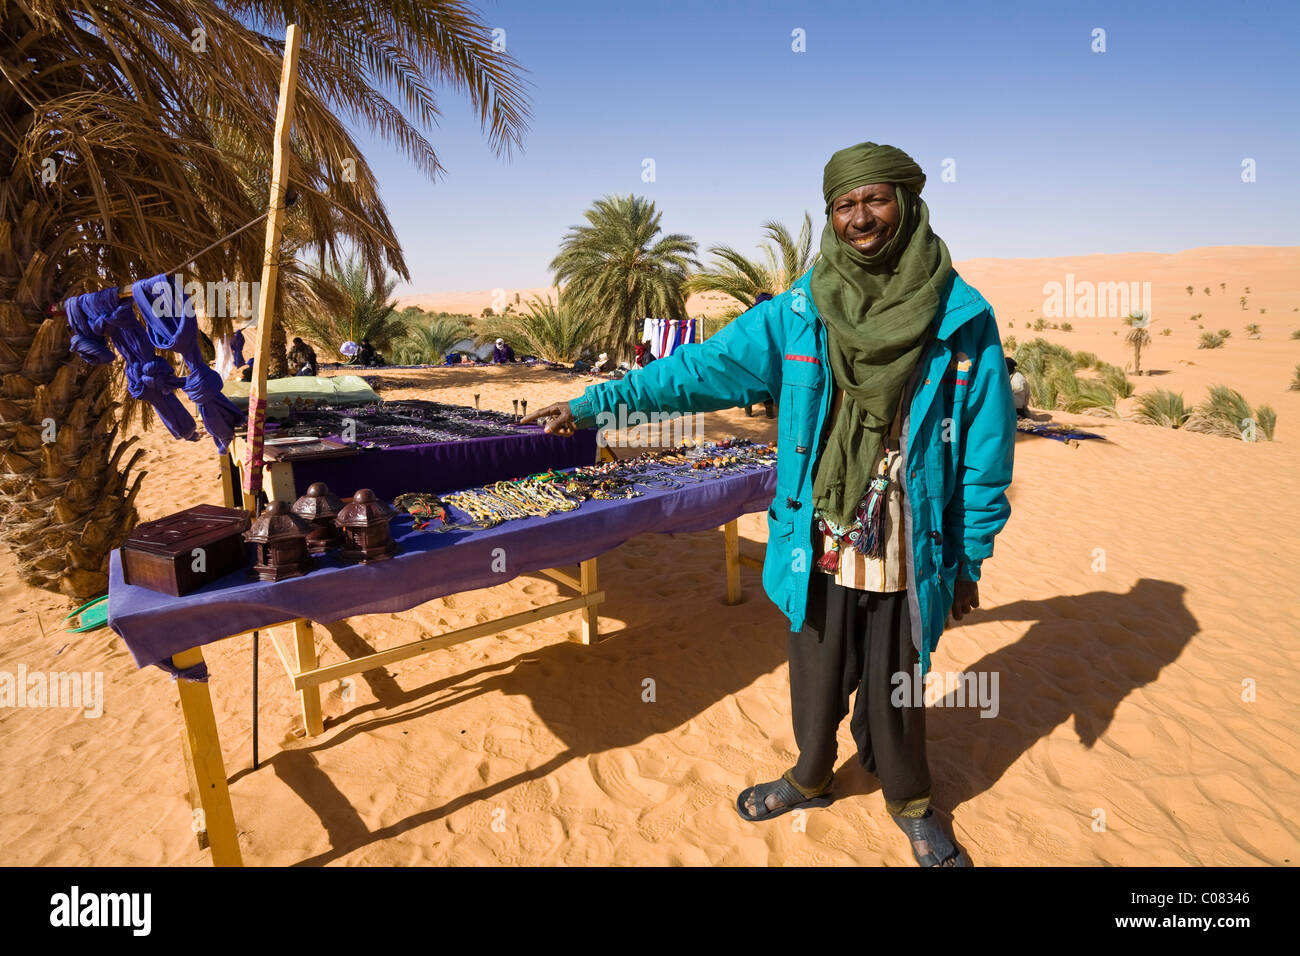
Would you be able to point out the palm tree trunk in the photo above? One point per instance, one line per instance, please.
(278, 366)
(64, 496)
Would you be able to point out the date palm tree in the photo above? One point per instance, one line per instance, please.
(1138, 337)
(620, 269)
(784, 259)
(133, 133)
(365, 309)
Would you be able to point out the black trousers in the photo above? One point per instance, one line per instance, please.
(856, 641)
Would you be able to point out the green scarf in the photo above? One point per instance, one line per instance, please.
(877, 310)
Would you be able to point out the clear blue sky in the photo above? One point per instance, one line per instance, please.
(1058, 150)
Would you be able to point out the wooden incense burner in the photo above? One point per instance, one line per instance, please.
(366, 535)
(280, 537)
(320, 507)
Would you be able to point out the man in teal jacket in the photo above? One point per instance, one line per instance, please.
(895, 441)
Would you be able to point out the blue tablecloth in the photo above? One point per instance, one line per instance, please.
(427, 566)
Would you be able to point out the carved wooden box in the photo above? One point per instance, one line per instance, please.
(183, 552)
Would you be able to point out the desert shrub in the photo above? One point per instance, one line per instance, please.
(1252, 330)
(1083, 396)
(1265, 421)
(1210, 341)
(1161, 407)
(1114, 378)
(1009, 344)
(1225, 333)
(1227, 414)
(1295, 381)
(1039, 324)
(1067, 327)
(1086, 360)
(1165, 331)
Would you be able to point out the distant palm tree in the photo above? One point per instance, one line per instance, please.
(553, 331)
(743, 278)
(134, 133)
(368, 312)
(619, 269)
(1137, 337)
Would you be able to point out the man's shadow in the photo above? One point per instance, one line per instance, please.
(1084, 656)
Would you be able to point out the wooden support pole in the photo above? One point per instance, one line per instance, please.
(270, 270)
(206, 767)
(590, 613)
(731, 539)
(312, 720)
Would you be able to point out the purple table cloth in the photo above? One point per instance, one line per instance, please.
(427, 566)
(439, 467)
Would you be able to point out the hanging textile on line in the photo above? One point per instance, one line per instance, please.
(98, 319)
(665, 335)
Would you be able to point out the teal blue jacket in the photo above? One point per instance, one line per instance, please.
(958, 434)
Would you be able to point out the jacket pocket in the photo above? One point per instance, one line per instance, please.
(802, 382)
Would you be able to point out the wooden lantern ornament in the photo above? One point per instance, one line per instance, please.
(366, 535)
(281, 540)
(320, 507)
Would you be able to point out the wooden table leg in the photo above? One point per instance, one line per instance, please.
(229, 482)
(305, 642)
(590, 615)
(731, 539)
(209, 770)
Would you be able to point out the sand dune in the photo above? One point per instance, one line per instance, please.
(1138, 585)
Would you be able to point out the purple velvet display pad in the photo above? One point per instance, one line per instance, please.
(427, 566)
(445, 466)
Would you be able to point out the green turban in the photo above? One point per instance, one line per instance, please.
(877, 309)
(865, 164)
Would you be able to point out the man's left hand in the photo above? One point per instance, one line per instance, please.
(966, 596)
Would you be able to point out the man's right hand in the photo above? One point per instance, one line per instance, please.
(558, 419)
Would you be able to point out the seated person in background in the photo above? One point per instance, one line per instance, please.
(368, 356)
(1019, 389)
(643, 355)
(247, 374)
(502, 353)
(603, 364)
(302, 358)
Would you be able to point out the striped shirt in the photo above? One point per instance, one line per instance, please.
(888, 573)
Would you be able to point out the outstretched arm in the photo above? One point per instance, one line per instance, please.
(739, 365)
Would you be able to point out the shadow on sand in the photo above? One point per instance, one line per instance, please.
(1083, 655)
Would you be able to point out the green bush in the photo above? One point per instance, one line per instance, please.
(1009, 344)
(1086, 360)
(1227, 414)
(1210, 341)
(1084, 396)
(1114, 379)
(1161, 407)
(1040, 324)
(1225, 333)
(1295, 381)
(1265, 421)
(1067, 327)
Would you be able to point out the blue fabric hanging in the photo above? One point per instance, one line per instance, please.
(173, 327)
(98, 318)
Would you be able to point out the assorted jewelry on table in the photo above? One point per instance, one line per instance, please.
(409, 422)
(552, 492)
